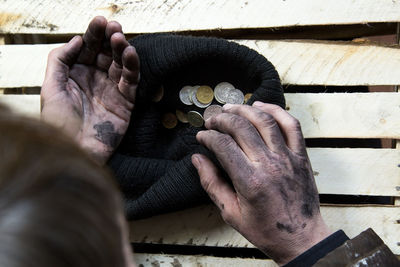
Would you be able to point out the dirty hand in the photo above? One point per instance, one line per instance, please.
(90, 86)
(274, 199)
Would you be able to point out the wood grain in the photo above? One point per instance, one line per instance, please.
(331, 63)
(337, 171)
(341, 115)
(204, 226)
(165, 260)
(298, 63)
(63, 17)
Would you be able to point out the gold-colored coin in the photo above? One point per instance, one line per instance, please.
(205, 94)
(195, 118)
(169, 120)
(158, 95)
(182, 117)
(247, 97)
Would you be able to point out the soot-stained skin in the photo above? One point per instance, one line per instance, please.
(274, 195)
(107, 134)
(306, 202)
(284, 227)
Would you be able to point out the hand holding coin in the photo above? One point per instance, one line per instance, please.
(272, 195)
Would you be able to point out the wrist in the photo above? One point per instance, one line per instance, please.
(313, 233)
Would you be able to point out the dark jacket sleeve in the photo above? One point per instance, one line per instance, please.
(320, 250)
(366, 249)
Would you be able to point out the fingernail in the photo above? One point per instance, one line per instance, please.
(74, 39)
(196, 161)
(227, 106)
(258, 103)
(198, 134)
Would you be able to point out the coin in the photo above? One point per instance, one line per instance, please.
(192, 92)
(205, 94)
(221, 90)
(235, 96)
(247, 97)
(184, 95)
(169, 120)
(158, 95)
(182, 117)
(211, 111)
(195, 118)
(196, 101)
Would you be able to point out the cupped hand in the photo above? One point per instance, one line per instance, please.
(90, 86)
(273, 199)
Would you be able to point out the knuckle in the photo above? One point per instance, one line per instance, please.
(237, 122)
(224, 141)
(294, 124)
(276, 108)
(214, 120)
(53, 53)
(265, 119)
(206, 183)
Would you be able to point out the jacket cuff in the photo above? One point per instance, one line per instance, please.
(318, 251)
(366, 249)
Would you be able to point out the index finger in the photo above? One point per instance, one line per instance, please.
(265, 124)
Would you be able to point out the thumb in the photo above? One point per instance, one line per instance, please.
(69, 52)
(61, 58)
(219, 190)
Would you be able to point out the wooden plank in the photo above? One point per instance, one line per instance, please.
(341, 115)
(337, 171)
(161, 260)
(318, 32)
(170, 15)
(298, 62)
(356, 171)
(23, 65)
(331, 63)
(204, 226)
(28, 105)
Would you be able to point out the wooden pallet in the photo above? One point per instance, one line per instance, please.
(272, 28)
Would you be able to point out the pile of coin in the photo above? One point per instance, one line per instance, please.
(202, 97)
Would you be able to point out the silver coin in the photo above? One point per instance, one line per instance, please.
(220, 91)
(196, 101)
(195, 119)
(218, 99)
(193, 91)
(184, 95)
(235, 96)
(211, 111)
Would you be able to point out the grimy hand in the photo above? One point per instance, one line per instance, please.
(274, 200)
(90, 86)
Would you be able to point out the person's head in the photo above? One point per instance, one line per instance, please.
(57, 207)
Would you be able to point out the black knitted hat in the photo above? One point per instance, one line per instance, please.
(153, 164)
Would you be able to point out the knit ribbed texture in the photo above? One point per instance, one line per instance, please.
(153, 164)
